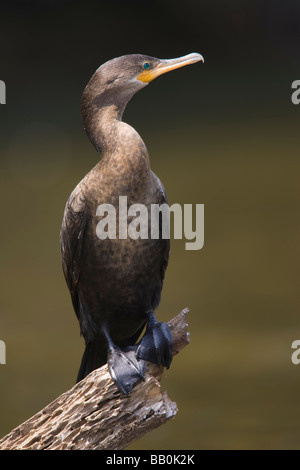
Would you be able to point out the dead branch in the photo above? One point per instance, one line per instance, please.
(94, 414)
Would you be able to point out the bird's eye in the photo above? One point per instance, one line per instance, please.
(146, 65)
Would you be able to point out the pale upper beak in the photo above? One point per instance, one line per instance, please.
(166, 65)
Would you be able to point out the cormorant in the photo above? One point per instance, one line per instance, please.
(115, 284)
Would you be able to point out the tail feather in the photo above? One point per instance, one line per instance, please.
(94, 356)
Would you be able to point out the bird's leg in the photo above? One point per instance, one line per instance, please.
(157, 344)
(124, 366)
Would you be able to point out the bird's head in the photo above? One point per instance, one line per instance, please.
(120, 78)
(114, 84)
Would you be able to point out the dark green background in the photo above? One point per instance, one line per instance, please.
(224, 134)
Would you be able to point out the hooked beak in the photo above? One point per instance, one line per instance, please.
(166, 65)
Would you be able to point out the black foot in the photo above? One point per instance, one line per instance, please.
(124, 367)
(157, 344)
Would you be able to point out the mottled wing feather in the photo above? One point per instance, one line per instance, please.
(166, 242)
(71, 240)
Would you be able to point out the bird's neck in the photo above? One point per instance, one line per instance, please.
(124, 155)
(101, 125)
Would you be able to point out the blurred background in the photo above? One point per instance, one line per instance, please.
(224, 134)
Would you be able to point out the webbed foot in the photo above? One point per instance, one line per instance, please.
(125, 369)
(124, 366)
(157, 343)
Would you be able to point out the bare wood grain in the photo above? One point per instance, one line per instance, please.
(94, 414)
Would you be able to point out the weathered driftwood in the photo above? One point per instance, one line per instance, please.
(94, 414)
